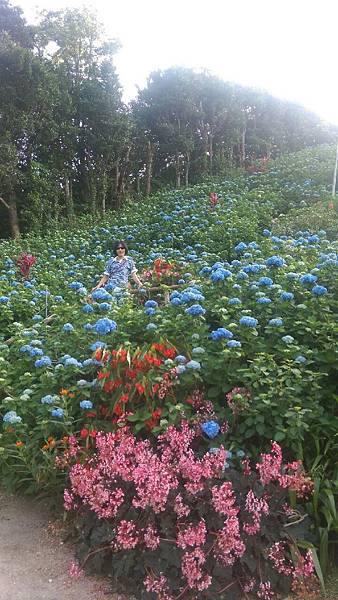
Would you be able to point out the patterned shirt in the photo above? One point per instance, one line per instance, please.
(119, 271)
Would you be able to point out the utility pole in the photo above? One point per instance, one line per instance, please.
(335, 175)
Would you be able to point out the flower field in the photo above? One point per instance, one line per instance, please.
(198, 414)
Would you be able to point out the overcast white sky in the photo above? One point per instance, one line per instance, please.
(287, 47)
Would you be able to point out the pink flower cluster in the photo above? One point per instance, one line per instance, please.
(290, 476)
(303, 570)
(238, 400)
(154, 494)
(158, 585)
(193, 535)
(265, 591)
(25, 262)
(192, 563)
(256, 507)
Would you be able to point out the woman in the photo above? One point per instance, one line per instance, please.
(119, 269)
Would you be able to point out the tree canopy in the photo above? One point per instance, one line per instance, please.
(69, 145)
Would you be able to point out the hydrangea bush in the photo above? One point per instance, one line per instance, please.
(242, 345)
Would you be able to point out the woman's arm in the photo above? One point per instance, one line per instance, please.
(101, 283)
(135, 278)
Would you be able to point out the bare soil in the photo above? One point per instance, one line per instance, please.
(34, 561)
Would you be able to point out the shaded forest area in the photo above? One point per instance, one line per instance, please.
(70, 145)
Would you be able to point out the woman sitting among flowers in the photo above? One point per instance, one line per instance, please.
(119, 269)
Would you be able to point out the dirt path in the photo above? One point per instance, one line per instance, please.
(34, 562)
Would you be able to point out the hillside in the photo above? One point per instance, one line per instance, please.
(239, 338)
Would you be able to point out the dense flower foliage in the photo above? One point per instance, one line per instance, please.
(233, 330)
(170, 495)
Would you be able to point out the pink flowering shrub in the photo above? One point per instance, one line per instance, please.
(25, 262)
(167, 518)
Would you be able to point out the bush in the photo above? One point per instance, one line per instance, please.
(173, 517)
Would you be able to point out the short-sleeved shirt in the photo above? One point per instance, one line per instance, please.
(119, 271)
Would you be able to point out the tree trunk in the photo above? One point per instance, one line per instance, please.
(13, 217)
(138, 188)
(178, 171)
(117, 174)
(120, 186)
(231, 154)
(69, 199)
(92, 186)
(187, 168)
(104, 187)
(242, 149)
(150, 158)
(211, 153)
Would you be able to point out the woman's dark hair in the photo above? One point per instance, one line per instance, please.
(120, 243)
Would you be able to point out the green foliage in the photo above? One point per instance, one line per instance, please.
(288, 369)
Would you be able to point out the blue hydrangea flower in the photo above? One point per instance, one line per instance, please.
(241, 276)
(104, 306)
(104, 326)
(195, 310)
(193, 364)
(175, 301)
(292, 276)
(88, 362)
(68, 328)
(57, 412)
(241, 247)
(220, 333)
(72, 362)
(308, 278)
(25, 348)
(48, 399)
(151, 304)
(211, 429)
(234, 344)
(288, 339)
(86, 404)
(198, 350)
(75, 285)
(287, 296)
(44, 361)
(240, 454)
(11, 417)
(150, 311)
(180, 359)
(82, 383)
(300, 359)
(277, 322)
(266, 232)
(265, 281)
(275, 261)
(4, 299)
(253, 268)
(151, 326)
(87, 308)
(35, 351)
(319, 290)
(263, 300)
(180, 369)
(220, 274)
(234, 301)
(101, 294)
(248, 321)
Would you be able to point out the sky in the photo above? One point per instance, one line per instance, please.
(286, 47)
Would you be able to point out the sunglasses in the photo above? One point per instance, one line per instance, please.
(120, 248)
